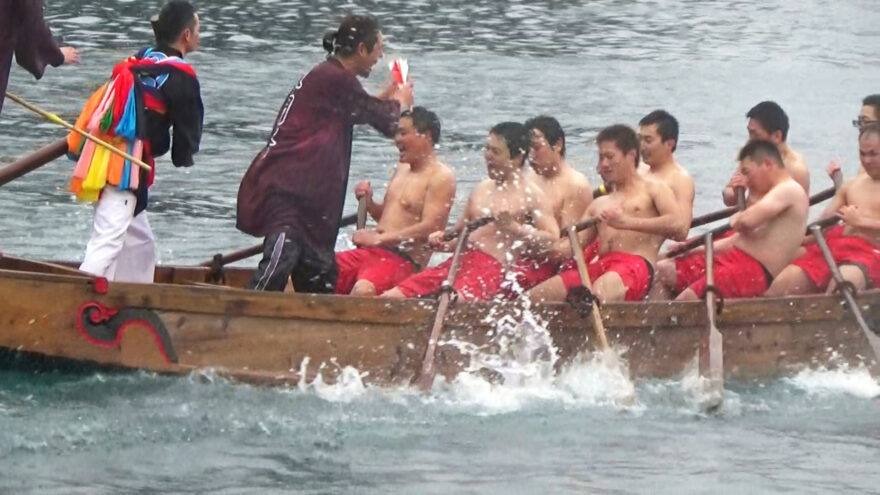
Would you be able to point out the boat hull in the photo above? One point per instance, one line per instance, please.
(182, 324)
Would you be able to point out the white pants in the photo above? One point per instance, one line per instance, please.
(122, 247)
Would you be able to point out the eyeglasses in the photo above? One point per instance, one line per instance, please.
(862, 121)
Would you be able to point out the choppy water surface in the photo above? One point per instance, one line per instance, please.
(475, 63)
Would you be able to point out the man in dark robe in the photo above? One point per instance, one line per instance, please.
(23, 32)
(293, 193)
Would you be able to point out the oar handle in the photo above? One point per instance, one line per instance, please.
(837, 178)
(362, 213)
(582, 225)
(471, 226)
(58, 120)
(740, 198)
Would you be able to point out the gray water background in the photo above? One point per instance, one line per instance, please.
(475, 63)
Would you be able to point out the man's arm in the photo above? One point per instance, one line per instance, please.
(684, 195)
(186, 113)
(728, 195)
(764, 210)
(36, 47)
(579, 197)
(435, 213)
(364, 108)
(669, 223)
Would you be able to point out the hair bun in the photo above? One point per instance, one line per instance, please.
(329, 40)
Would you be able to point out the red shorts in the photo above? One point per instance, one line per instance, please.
(479, 278)
(636, 272)
(381, 267)
(845, 250)
(530, 272)
(590, 252)
(737, 274)
(689, 267)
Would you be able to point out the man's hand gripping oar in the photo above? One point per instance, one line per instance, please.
(578, 254)
(425, 378)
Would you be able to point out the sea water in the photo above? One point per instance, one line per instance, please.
(586, 429)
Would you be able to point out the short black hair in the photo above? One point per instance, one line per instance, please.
(872, 128)
(174, 17)
(354, 30)
(515, 137)
(623, 136)
(667, 125)
(874, 101)
(549, 127)
(759, 149)
(771, 117)
(424, 121)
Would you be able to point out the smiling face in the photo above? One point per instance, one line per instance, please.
(366, 58)
(412, 145)
(614, 164)
(651, 145)
(869, 154)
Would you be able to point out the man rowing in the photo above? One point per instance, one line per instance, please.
(151, 93)
(768, 121)
(567, 191)
(855, 245)
(523, 224)
(636, 217)
(766, 235)
(416, 203)
(293, 192)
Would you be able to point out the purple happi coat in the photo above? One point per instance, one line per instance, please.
(23, 32)
(297, 183)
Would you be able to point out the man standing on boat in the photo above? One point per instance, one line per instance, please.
(768, 121)
(23, 32)
(523, 222)
(767, 234)
(155, 91)
(293, 191)
(567, 190)
(636, 217)
(855, 245)
(416, 203)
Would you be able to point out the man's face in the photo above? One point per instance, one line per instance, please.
(757, 131)
(369, 58)
(868, 115)
(542, 156)
(497, 156)
(869, 154)
(191, 36)
(652, 147)
(412, 145)
(614, 163)
(755, 173)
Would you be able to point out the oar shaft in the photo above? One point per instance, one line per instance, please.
(33, 161)
(582, 225)
(58, 120)
(362, 213)
(578, 255)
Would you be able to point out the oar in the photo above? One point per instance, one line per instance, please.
(362, 213)
(697, 241)
(51, 117)
(33, 161)
(425, 378)
(846, 289)
(740, 198)
(220, 260)
(578, 256)
(712, 362)
(727, 212)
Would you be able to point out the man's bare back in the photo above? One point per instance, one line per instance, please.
(568, 193)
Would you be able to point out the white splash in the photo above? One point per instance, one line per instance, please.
(857, 382)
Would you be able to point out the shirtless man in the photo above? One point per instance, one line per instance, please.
(769, 122)
(567, 190)
(523, 225)
(416, 203)
(870, 113)
(637, 216)
(855, 245)
(767, 234)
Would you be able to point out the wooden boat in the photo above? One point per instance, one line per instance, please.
(188, 320)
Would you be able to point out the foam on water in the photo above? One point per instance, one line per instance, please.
(856, 382)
